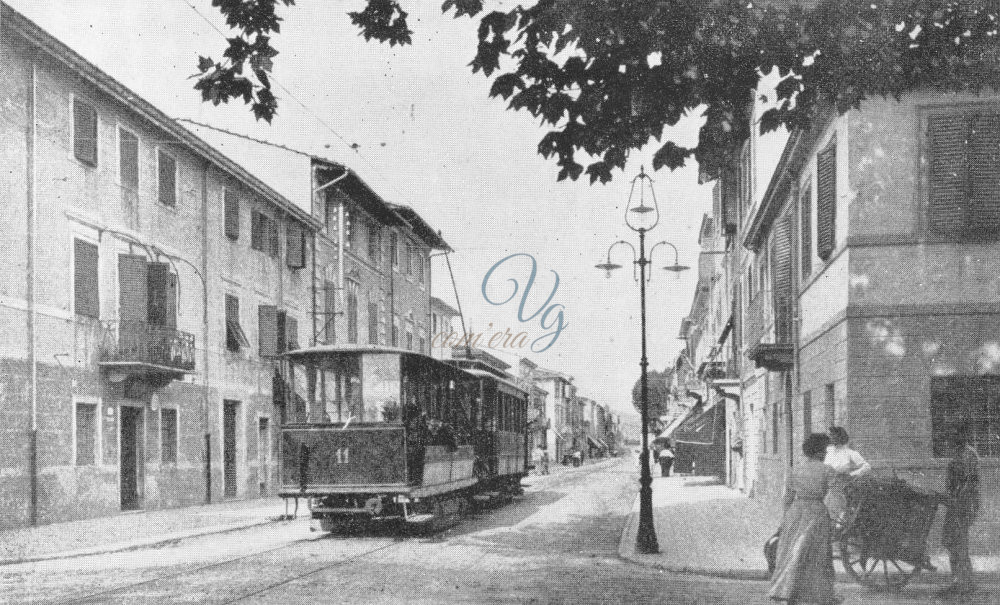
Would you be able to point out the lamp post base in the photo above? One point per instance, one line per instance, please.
(645, 539)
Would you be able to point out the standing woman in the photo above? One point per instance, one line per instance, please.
(804, 569)
(849, 465)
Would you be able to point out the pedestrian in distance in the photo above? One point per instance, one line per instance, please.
(577, 457)
(849, 465)
(963, 508)
(536, 459)
(545, 461)
(803, 571)
(666, 460)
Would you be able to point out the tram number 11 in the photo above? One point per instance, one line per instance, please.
(343, 455)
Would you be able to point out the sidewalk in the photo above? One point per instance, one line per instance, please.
(131, 530)
(706, 528)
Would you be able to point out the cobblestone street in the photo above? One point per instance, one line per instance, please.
(556, 544)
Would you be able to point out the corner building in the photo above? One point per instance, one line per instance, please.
(881, 234)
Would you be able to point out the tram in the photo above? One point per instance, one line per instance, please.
(373, 433)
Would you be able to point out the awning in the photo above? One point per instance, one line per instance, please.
(700, 428)
(593, 442)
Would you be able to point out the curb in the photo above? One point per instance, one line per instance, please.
(626, 551)
(160, 540)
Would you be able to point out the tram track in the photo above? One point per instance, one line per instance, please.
(123, 589)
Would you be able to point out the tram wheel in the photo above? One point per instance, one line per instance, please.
(873, 570)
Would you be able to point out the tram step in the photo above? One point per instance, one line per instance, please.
(419, 518)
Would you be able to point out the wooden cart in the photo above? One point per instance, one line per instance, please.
(883, 542)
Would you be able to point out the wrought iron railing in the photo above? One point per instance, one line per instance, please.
(141, 342)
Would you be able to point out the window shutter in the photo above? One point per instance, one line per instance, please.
(232, 220)
(291, 333)
(167, 167)
(86, 431)
(781, 277)
(372, 323)
(329, 311)
(296, 246)
(805, 233)
(826, 201)
(267, 332)
(133, 300)
(947, 136)
(168, 436)
(256, 231)
(161, 293)
(84, 132)
(274, 240)
(235, 338)
(86, 284)
(983, 214)
(128, 159)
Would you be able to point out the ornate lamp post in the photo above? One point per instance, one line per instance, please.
(642, 218)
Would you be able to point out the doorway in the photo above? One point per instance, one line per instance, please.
(131, 455)
(264, 453)
(230, 411)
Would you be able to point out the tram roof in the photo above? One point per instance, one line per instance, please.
(351, 348)
(487, 374)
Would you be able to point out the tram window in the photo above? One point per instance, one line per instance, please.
(381, 388)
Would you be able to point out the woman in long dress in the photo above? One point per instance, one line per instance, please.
(849, 465)
(804, 569)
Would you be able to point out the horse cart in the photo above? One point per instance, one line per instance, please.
(883, 539)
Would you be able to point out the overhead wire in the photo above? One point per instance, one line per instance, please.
(385, 180)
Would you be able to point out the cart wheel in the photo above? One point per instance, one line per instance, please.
(873, 571)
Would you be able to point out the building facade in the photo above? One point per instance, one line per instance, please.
(878, 229)
(138, 261)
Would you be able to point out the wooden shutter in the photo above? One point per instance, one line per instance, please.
(256, 230)
(372, 323)
(947, 135)
(128, 159)
(168, 436)
(86, 284)
(274, 240)
(167, 168)
(162, 293)
(296, 249)
(826, 201)
(983, 205)
(805, 232)
(232, 219)
(235, 338)
(781, 277)
(84, 132)
(267, 332)
(329, 311)
(86, 433)
(133, 300)
(291, 333)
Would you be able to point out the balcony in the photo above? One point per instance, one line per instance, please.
(769, 332)
(139, 348)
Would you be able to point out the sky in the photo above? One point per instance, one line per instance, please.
(420, 128)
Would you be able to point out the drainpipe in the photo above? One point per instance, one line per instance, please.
(32, 133)
(206, 407)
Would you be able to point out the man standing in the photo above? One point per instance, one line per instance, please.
(963, 507)
(536, 459)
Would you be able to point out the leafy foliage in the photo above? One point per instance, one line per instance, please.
(658, 392)
(608, 76)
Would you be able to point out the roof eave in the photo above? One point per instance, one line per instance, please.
(37, 36)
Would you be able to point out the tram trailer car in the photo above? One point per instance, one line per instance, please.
(382, 433)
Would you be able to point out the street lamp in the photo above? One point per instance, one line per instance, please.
(642, 218)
